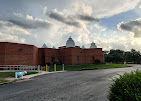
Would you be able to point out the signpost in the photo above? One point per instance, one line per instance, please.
(54, 67)
(63, 67)
(38, 69)
(46, 68)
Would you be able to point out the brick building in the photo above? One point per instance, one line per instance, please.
(23, 54)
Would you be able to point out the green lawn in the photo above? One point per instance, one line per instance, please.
(2, 80)
(10, 74)
(80, 67)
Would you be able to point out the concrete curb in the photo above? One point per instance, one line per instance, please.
(9, 82)
(101, 68)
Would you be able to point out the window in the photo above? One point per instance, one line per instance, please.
(53, 58)
(93, 58)
(77, 58)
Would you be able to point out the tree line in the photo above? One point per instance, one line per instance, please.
(118, 56)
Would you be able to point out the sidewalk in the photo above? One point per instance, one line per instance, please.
(41, 73)
(27, 77)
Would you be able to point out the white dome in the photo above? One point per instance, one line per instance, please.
(93, 45)
(70, 43)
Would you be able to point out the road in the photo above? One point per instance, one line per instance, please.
(88, 85)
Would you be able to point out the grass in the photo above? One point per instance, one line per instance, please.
(2, 80)
(10, 74)
(131, 63)
(80, 67)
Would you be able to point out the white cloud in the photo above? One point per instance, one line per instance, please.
(133, 27)
(45, 10)
(29, 17)
(107, 8)
(60, 17)
(18, 14)
(7, 27)
(140, 6)
(28, 22)
(13, 33)
(81, 9)
(120, 42)
(98, 27)
(10, 38)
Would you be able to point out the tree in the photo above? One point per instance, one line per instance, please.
(128, 57)
(117, 56)
(136, 56)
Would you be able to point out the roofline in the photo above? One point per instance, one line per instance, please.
(19, 43)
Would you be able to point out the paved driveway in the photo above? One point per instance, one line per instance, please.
(89, 85)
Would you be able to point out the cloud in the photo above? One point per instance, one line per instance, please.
(98, 28)
(115, 41)
(10, 38)
(4, 23)
(59, 16)
(29, 17)
(140, 6)
(71, 19)
(13, 33)
(29, 22)
(80, 8)
(133, 26)
(18, 14)
(7, 27)
(107, 8)
(45, 10)
(87, 18)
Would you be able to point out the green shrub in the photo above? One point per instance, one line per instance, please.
(97, 61)
(126, 88)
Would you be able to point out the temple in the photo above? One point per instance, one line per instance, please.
(24, 54)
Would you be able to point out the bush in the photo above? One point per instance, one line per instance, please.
(126, 88)
(97, 62)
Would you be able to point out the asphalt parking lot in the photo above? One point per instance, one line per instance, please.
(88, 85)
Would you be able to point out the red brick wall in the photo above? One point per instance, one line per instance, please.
(73, 56)
(77, 56)
(49, 53)
(2, 53)
(84, 56)
(97, 53)
(35, 55)
(65, 56)
(20, 54)
(41, 56)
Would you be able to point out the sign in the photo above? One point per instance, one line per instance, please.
(38, 67)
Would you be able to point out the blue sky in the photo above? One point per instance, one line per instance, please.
(111, 24)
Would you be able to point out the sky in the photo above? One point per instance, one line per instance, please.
(111, 24)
